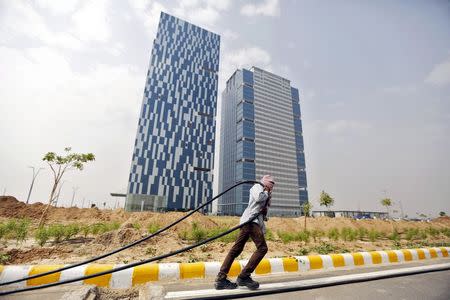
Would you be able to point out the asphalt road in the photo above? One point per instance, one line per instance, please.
(435, 285)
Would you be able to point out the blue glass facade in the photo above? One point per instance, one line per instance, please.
(174, 147)
(238, 141)
(301, 165)
(261, 133)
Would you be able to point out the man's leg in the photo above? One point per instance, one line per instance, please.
(257, 236)
(237, 248)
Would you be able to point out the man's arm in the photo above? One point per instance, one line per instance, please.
(258, 195)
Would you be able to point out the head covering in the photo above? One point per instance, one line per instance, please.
(268, 181)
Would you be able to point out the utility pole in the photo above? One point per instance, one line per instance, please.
(75, 189)
(4, 192)
(82, 204)
(35, 174)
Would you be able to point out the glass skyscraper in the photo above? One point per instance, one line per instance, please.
(172, 162)
(261, 133)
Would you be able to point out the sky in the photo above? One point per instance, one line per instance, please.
(374, 81)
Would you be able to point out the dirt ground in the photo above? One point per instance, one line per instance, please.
(134, 226)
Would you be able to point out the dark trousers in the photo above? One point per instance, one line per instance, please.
(251, 230)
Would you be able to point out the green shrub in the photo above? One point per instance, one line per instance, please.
(42, 235)
(4, 258)
(333, 234)
(21, 230)
(70, 231)
(3, 230)
(324, 248)
(446, 231)
(395, 236)
(198, 234)
(362, 233)
(433, 232)
(153, 227)
(136, 226)
(373, 235)
(317, 234)
(85, 229)
(114, 226)
(302, 236)
(286, 237)
(57, 232)
(15, 229)
(396, 244)
(269, 235)
(100, 228)
(348, 234)
(412, 234)
(303, 251)
(183, 235)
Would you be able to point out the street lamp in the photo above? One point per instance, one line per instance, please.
(35, 174)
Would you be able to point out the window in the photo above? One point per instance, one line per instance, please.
(245, 129)
(245, 149)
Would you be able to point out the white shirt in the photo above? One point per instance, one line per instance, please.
(256, 202)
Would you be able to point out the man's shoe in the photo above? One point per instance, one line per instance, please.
(224, 284)
(248, 282)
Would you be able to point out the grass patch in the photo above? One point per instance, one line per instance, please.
(324, 248)
(333, 234)
(299, 236)
(153, 227)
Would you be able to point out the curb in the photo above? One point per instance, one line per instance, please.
(176, 271)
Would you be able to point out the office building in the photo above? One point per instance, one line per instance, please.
(173, 155)
(261, 133)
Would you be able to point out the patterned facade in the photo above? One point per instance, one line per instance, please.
(173, 154)
(261, 133)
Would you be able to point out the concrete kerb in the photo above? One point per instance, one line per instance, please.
(151, 273)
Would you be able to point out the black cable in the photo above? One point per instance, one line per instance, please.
(129, 245)
(129, 265)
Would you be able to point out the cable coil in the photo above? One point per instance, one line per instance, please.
(126, 247)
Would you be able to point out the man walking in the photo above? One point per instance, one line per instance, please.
(258, 204)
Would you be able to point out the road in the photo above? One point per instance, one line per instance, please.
(434, 285)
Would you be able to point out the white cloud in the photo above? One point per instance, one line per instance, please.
(57, 7)
(229, 35)
(346, 127)
(270, 8)
(21, 20)
(148, 12)
(91, 21)
(205, 13)
(440, 75)
(242, 58)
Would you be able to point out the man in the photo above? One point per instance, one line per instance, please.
(258, 203)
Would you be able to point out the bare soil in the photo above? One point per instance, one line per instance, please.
(79, 248)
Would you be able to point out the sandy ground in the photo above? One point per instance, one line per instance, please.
(77, 249)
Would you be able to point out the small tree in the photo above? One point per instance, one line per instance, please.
(326, 200)
(59, 165)
(306, 208)
(386, 202)
(442, 213)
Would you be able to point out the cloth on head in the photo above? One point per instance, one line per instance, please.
(268, 181)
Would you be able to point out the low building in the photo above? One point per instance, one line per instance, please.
(356, 214)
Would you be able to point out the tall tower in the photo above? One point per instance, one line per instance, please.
(173, 155)
(261, 133)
